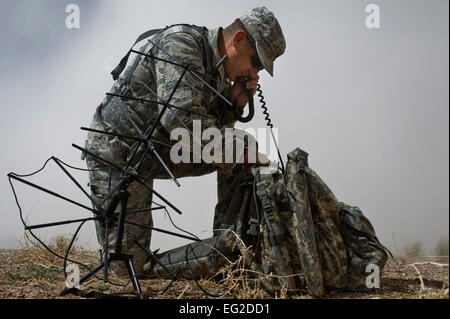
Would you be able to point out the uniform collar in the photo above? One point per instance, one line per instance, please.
(213, 39)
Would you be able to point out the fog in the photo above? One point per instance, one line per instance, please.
(370, 106)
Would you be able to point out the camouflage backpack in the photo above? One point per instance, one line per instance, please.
(329, 243)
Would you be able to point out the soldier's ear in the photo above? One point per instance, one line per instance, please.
(239, 37)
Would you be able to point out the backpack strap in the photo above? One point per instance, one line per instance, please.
(119, 68)
(123, 87)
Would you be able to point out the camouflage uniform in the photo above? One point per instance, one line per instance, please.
(155, 80)
(159, 77)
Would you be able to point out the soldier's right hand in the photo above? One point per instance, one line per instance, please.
(239, 91)
(252, 157)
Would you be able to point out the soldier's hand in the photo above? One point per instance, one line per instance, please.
(238, 92)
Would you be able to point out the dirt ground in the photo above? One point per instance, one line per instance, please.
(31, 272)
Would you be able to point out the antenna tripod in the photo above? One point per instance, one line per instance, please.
(109, 219)
(118, 196)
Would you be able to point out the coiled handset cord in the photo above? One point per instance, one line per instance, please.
(251, 113)
(269, 123)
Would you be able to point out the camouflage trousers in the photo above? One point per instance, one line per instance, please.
(116, 151)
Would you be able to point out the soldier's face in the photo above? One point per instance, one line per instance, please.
(242, 58)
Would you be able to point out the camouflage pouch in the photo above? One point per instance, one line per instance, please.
(363, 247)
(320, 244)
(276, 247)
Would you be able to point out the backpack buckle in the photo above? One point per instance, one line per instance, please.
(253, 227)
(265, 200)
(302, 161)
(267, 206)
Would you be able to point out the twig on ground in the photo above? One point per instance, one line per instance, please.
(182, 293)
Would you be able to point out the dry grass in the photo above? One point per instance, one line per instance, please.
(237, 281)
(429, 293)
(241, 281)
(33, 272)
(31, 251)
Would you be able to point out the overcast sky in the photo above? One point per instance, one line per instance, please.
(370, 106)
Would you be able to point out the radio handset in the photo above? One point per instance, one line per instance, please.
(251, 105)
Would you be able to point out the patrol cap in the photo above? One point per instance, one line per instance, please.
(265, 30)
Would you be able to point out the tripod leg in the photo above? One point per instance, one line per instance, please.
(134, 280)
(106, 253)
